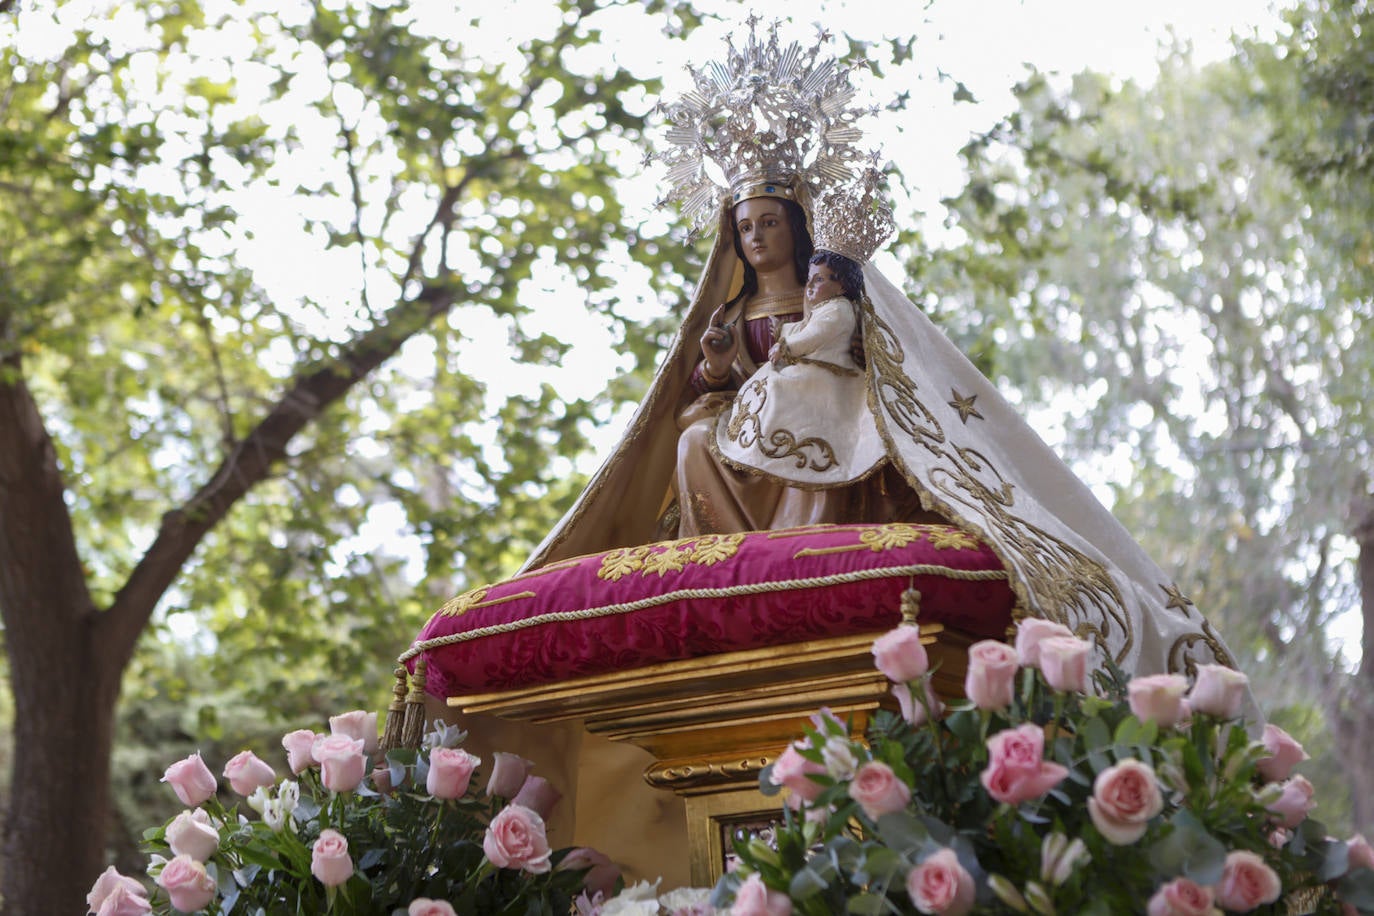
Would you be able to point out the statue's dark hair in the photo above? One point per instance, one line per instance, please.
(801, 248)
(849, 272)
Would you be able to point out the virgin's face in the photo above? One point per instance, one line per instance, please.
(765, 235)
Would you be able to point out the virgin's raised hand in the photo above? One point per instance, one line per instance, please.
(719, 344)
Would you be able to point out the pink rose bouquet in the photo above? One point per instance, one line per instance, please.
(1047, 790)
(350, 831)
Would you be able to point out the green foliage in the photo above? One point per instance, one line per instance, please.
(204, 201)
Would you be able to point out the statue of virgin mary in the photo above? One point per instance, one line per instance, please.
(778, 122)
(931, 438)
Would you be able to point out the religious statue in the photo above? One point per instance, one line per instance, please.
(804, 391)
(935, 439)
(797, 444)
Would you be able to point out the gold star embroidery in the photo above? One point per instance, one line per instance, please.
(946, 538)
(965, 406)
(1177, 600)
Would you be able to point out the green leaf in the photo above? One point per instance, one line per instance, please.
(806, 883)
(865, 904)
(1357, 889)
(904, 832)
(1189, 850)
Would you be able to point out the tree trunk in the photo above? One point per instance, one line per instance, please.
(54, 840)
(67, 656)
(65, 680)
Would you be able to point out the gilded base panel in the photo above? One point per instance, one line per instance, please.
(710, 725)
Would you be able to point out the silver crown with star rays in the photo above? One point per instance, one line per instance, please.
(854, 219)
(770, 120)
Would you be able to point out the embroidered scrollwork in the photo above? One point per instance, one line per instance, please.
(1070, 587)
(746, 429)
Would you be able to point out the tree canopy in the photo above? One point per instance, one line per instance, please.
(267, 289)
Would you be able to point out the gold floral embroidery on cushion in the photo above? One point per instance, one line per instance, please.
(620, 563)
(459, 605)
(475, 598)
(674, 559)
(952, 539)
(711, 549)
(889, 537)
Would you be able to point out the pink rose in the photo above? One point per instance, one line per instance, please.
(516, 838)
(1246, 883)
(121, 888)
(601, 871)
(1017, 771)
(912, 710)
(941, 885)
(423, 906)
(537, 795)
(247, 773)
(878, 790)
(508, 773)
(450, 771)
(794, 771)
(991, 676)
(1292, 806)
(298, 754)
(124, 902)
(1219, 691)
(342, 764)
(1125, 797)
(1284, 753)
(187, 883)
(899, 654)
(1158, 698)
(1006, 784)
(1181, 897)
(190, 834)
(754, 898)
(191, 779)
(1030, 632)
(329, 859)
(359, 725)
(1064, 663)
(1360, 852)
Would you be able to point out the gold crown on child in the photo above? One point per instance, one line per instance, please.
(768, 121)
(854, 219)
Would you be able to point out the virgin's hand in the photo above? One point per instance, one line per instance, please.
(719, 344)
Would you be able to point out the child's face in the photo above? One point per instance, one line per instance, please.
(822, 284)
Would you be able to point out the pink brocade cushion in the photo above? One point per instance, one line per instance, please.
(638, 606)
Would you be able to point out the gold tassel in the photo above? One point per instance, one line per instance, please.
(413, 729)
(911, 606)
(396, 712)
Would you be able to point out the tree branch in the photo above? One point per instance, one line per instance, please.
(253, 459)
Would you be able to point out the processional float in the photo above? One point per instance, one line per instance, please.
(623, 648)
